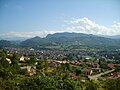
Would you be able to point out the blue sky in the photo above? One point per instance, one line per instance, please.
(52, 15)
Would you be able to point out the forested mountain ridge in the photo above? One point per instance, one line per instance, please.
(65, 39)
(71, 38)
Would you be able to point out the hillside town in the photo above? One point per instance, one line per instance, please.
(79, 66)
(84, 65)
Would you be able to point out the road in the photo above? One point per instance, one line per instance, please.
(95, 77)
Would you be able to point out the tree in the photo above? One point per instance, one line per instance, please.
(117, 69)
(78, 72)
(3, 55)
(32, 60)
(91, 86)
(68, 67)
(42, 65)
(3, 62)
(15, 59)
(113, 84)
(5, 51)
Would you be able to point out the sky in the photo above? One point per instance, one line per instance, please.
(29, 18)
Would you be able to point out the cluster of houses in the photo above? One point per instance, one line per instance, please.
(114, 75)
(93, 68)
(112, 66)
(51, 54)
(54, 57)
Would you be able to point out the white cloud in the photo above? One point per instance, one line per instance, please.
(80, 25)
(84, 25)
(25, 35)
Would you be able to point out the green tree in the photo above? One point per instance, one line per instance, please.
(32, 60)
(117, 69)
(3, 62)
(15, 59)
(78, 71)
(112, 84)
(90, 86)
(3, 55)
(42, 65)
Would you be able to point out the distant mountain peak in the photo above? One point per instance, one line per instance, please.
(36, 37)
(69, 35)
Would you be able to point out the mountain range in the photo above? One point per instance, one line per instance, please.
(63, 39)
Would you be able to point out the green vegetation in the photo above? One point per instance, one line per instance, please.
(65, 41)
(35, 74)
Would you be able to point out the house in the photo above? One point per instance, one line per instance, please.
(87, 71)
(77, 78)
(115, 74)
(31, 70)
(54, 63)
(111, 66)
(95, 65)
(31, 49)
(8, 60)
(96, 69)
(22, 59)
(117, 65)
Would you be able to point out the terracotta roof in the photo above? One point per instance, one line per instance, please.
(86, 70)
(77, 77)
(111, 65)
